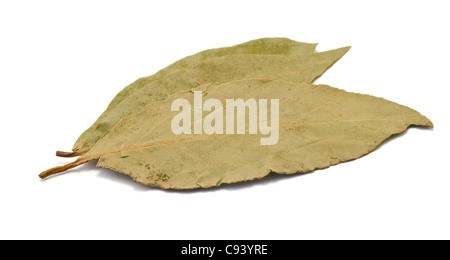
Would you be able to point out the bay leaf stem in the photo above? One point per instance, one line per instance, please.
(66, 154)
(63, 168)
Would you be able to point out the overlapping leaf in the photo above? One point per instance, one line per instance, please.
(264, 46)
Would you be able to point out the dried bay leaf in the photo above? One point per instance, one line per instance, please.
(320, 126)
(259, 46)
(296, 68)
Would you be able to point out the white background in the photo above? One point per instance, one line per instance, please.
(61, 62)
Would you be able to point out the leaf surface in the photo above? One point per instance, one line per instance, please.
(319, 126)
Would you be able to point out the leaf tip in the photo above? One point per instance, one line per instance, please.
(346, 49)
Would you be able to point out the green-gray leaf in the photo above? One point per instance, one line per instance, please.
(319, 126)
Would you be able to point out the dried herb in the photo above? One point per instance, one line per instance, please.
(319, 126)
